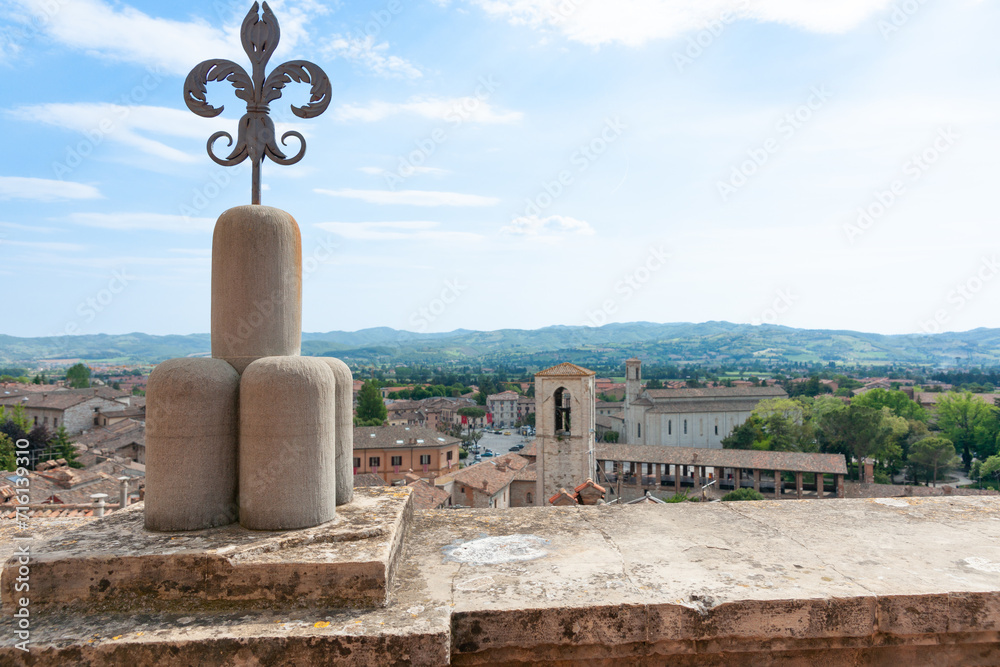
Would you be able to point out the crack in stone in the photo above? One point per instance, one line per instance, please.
(790, 538)
(614, 545)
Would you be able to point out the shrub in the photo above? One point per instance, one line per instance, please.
(742, 494)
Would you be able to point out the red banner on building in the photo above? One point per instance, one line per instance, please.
(465, 420)
(489, 417)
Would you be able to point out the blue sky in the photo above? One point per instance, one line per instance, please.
(488, 164)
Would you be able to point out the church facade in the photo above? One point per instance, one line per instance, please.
(686, 417)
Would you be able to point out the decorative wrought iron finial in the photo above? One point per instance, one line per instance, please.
(255, 137)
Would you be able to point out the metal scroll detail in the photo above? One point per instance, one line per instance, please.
(255, 137)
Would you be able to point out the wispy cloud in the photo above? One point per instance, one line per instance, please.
(41, 189)
(454, 109)
(127, 125)
(410, 230)
(364, 51)
(122, 33)
(151, 221)
(430, 171)
(41, 245)
(636, 22)
(413, 197)
(553, 225)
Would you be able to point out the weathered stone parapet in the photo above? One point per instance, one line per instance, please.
(192, 421)
(833, 582)
(256, 285)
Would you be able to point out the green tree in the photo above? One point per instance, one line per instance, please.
(933, 456)
(969, 423)
(471, 415)
(745, 493)
(65, 450)
(370, 405)
(856, 432)
(78, 376)
(900, 404)
(7, 457)
(654, 384)
(611, 436)
(991, 468)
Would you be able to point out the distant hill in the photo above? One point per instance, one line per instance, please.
(705, 343)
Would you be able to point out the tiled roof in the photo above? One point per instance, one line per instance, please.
(392, 437)
(932, 397)
(528, 473)
(368, 479)
(566, 369)
(74, 486)
(426, 496)
(60, 399)
(114, 437)
(493, 475)
(725, 458)
(504, 396)
(728, 405)
(591, 483)
(716, 392)
(531, 449)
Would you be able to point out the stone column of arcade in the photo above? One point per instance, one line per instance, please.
(222, 431)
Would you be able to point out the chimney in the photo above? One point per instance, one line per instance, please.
(44, 396)
(95, 391)
(123, 493)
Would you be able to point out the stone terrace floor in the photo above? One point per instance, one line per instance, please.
(859, 582)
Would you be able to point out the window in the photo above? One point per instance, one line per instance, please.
(55, 421)
(685, 427)
(528, 497)
(357, 461)
(716, 429)
(562, 407)
(36, 421)
(374, 461)
(670, 427)
(638, 430)
(425, 459)
(448, 458)
(397, 460)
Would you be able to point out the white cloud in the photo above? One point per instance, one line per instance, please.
(413, 197)
(453, 110)
(553, 225)
(125, 34)
(134, 221)
(411, 230)
(41, 189)
(430, 171)
(129, 125)
(635, 22)
(55, 247)
(364, 51)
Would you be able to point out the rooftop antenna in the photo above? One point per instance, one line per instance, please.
(255, 137)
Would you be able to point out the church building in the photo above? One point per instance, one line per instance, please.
(685, 417)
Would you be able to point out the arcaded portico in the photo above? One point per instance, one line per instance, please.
(655, 468)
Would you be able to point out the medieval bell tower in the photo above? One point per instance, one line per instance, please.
(564, 426)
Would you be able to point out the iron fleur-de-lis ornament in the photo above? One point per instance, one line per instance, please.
(255, 137)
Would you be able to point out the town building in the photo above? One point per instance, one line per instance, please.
(391, 451)
(489, 484)
(75, 409)
(686, 417)
(503, 408)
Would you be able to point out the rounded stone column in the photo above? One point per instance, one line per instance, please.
(192, 421)
(256, 285)
(288, 476)
(345, 429)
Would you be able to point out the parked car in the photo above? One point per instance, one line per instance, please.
(517, 448)
(485, 454)
(506, 432)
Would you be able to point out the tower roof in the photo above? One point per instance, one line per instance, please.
(565, 369)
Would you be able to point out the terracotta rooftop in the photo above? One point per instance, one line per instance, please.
(392, 437)
(566, 369)
(716, 392)
(492, 475)
(60, 399)
(741, 404)
(426, 496)
(528, 473)
(368, 479)
(725, 458)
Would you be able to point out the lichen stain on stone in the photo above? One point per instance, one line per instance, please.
(981, 564)
(496, 550)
